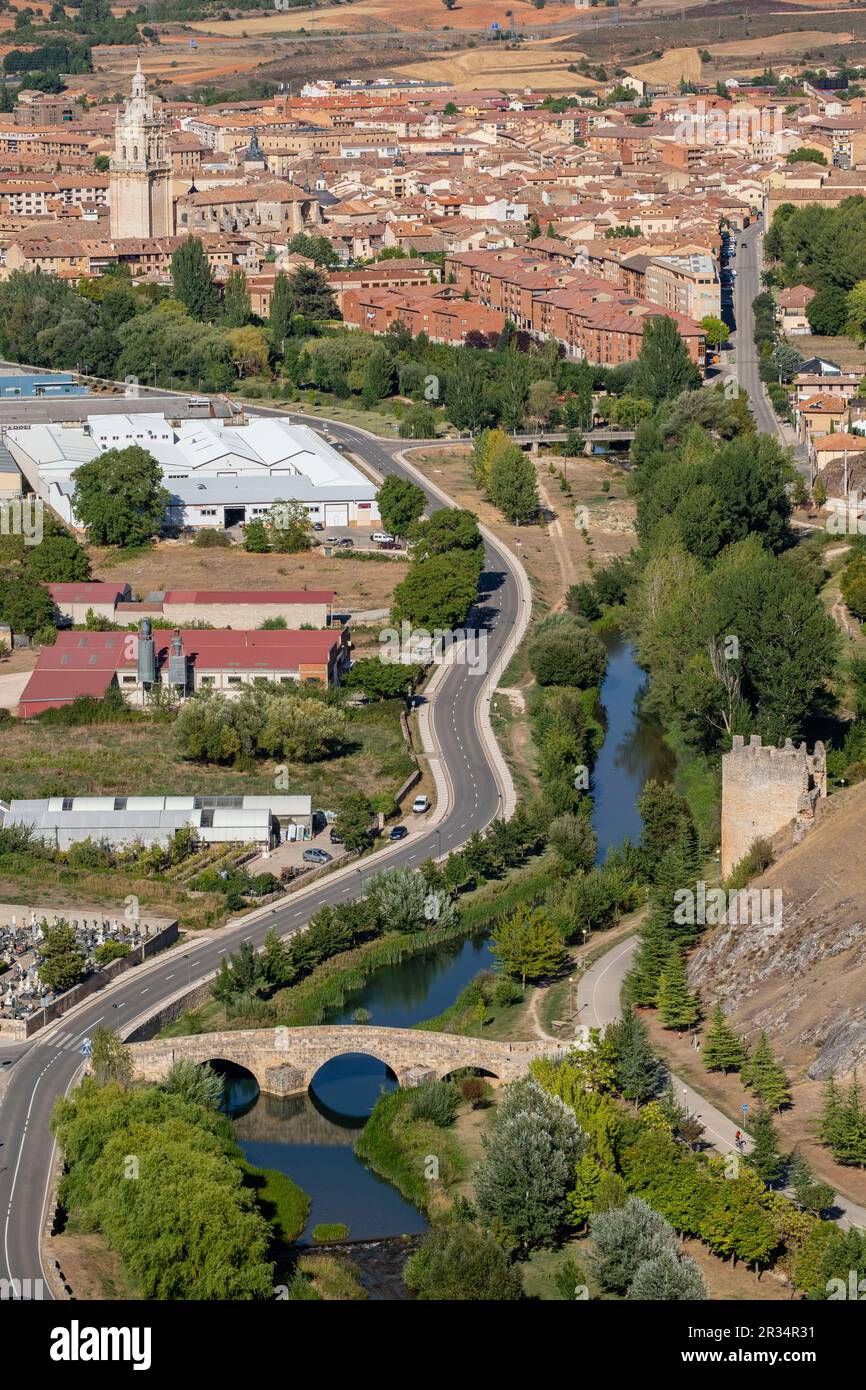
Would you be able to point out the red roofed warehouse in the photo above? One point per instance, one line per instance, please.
(239, 609)
(89, 663)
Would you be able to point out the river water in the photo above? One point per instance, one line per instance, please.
(310, 1137)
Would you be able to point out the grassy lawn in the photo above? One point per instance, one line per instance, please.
(381, 422)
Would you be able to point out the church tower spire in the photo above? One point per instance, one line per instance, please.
(140, 174)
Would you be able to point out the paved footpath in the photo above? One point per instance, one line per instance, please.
(598, 1003)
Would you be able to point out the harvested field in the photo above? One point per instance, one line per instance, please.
(531, 65)
(358, 584)
(366, 15)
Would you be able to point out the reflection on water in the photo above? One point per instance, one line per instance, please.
(633, 751)
(311, 1137)
(420, 987)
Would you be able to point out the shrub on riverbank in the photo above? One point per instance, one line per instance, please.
(399, 1147)
(327, 1231)
(282, 1203)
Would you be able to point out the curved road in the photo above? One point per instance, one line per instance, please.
(45, 1067)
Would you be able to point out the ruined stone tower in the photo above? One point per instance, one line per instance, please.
(764, 789)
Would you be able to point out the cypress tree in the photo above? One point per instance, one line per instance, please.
(678, 1007)
(764, 1157)
(722, 1050)
(763, 1075)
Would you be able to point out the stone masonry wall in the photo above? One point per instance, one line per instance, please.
(766, 788)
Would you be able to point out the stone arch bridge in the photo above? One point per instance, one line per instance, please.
(285, 1060)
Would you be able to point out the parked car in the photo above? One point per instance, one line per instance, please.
(335, 837)
(399, 832)
(346, 540)
(332, 540)
(382, 538)
(420, 805)
(317, 856)
(317, 526)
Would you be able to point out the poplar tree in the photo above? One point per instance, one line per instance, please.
(193, 281)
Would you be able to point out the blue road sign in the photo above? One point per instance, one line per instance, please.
(745, 1108)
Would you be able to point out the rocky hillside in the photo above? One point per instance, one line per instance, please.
(806, 982)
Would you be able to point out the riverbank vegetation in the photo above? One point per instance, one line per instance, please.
(157, 1172)
(590, 1159)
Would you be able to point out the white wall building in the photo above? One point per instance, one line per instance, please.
(219, 473)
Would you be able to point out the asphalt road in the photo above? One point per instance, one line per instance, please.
(744, 366)
(44, 1068)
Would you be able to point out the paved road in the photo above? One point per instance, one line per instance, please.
(39, 1071)
(744, 359)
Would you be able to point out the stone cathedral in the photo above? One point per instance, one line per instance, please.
(140, 174)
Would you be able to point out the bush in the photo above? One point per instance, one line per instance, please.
(473, 1090)
(506, 991)
(327, 1231)
(436, 1101)
(460, 1263)
(209, 539)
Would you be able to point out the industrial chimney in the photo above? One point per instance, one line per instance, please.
(177, 663)
(146, 654)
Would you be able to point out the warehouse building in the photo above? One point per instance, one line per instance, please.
(90, 663)
(219, 473)
(118, 821)
(238, 609)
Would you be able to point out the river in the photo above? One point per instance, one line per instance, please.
(310, 1137)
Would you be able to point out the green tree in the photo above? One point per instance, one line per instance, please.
(512, 485)
(564, 650)
(678, 1007)
(400, 504)
(61, 959)
(764, 1076)
(530, 1155)
(764, 1156)
(58, 559)
(288, 527)
(382, 680)
(119, 497)
(458, 1262)
(25, 605)
(192, 280)
(281, 313)
(110, 1060)
(465, 393)
(527, 944)
(722, 1050)
(624, 1238)
(663, 368)
(715, 329)
(312, 296)
(196, 1082)
(354, 819)
(668, 1278)
(637, 1067)
(437, 592)
(805, 154)
(237, 305)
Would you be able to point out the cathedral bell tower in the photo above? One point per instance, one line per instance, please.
(140, 171)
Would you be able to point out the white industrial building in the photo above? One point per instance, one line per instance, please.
(219, 472)
(118, 821)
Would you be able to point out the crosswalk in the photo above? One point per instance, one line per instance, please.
(67, 1042)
